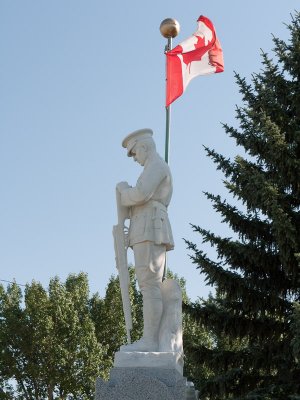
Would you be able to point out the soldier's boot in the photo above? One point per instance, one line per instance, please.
(152, 312)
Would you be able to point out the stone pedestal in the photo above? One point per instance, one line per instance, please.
(146, 376)
(162, 360)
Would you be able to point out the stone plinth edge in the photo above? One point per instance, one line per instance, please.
(162, 360)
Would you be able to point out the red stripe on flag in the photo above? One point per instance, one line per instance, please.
(174, 76)
(216, 57)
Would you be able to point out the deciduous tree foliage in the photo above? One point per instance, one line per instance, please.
(49, 347)
(256, 273)
(54, 343)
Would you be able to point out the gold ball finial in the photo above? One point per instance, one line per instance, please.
(169, 28)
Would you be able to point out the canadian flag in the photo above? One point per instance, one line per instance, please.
(200, 54)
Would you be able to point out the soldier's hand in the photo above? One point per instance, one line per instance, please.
(122, 185)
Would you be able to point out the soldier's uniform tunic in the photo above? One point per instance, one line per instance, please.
(149, 200)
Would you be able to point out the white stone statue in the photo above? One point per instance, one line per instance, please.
(150, 234)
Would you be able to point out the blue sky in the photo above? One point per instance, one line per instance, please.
(75, 78)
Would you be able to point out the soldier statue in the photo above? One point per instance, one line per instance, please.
(150, 234)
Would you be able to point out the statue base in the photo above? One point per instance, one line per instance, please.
(138, 359)
(146, 376)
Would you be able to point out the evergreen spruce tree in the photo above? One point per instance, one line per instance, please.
(257, 273)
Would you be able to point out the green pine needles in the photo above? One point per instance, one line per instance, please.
(254, 316)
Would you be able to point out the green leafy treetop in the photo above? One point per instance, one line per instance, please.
(56, 342)
(257, 275)
(49, 346)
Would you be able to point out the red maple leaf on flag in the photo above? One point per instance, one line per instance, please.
(198, 53)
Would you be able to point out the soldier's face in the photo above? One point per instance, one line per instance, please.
(139, 154)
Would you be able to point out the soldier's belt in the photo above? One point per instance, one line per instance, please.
(148, 208)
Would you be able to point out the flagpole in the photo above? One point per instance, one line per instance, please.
(169, 28)
(168, 112)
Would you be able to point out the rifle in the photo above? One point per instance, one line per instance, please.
(121, 261)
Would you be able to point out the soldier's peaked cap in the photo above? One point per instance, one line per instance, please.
(133, 138)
